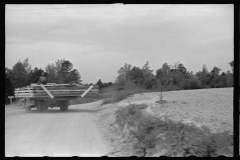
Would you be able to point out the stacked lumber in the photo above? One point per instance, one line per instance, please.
(57, 90)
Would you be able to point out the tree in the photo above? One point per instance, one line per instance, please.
(26, 66)
(215, 78)
(62, 72)
(52, 73)
(215, 70)
(181, 69)
(148, 77)
(229, 77)
(223, 80)
(74, 77)
(232, 65)
(110, 83)
(160, 81)
(165, 70)
(20, 75)
(10, 75)
(69, 75)
(136, 76)
(58, 71)
(204, 76)
(123, 76)
(9, 89)
(164, 74)
(66, 68)
(34, 75)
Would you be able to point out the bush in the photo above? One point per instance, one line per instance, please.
(124, 114)
(190, 84)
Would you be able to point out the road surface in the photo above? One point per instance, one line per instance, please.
(53, 132)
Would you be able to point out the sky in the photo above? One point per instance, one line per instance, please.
(99, 39)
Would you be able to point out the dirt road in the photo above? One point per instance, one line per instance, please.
(53, 133)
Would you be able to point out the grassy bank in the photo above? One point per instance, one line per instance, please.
(152, 135)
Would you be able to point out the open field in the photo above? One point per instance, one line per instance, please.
(212, 108)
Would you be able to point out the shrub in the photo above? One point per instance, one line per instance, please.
(190, 84)
(124, 114)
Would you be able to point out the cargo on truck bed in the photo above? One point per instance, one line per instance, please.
(52, 95)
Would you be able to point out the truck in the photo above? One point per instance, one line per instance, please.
(51, 95)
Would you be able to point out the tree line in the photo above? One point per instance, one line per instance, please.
(174, 77)
(21, 75)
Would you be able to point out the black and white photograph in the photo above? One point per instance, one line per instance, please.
(119, 80)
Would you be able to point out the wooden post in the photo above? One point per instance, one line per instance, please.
(87, 91)
(45, 89)
(10, 97)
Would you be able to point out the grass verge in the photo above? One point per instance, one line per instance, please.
(153, 136)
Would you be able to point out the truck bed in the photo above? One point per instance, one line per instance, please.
(57, 91)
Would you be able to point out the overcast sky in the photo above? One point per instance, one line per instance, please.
(99, 39)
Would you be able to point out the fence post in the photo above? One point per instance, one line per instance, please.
(10, 97)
